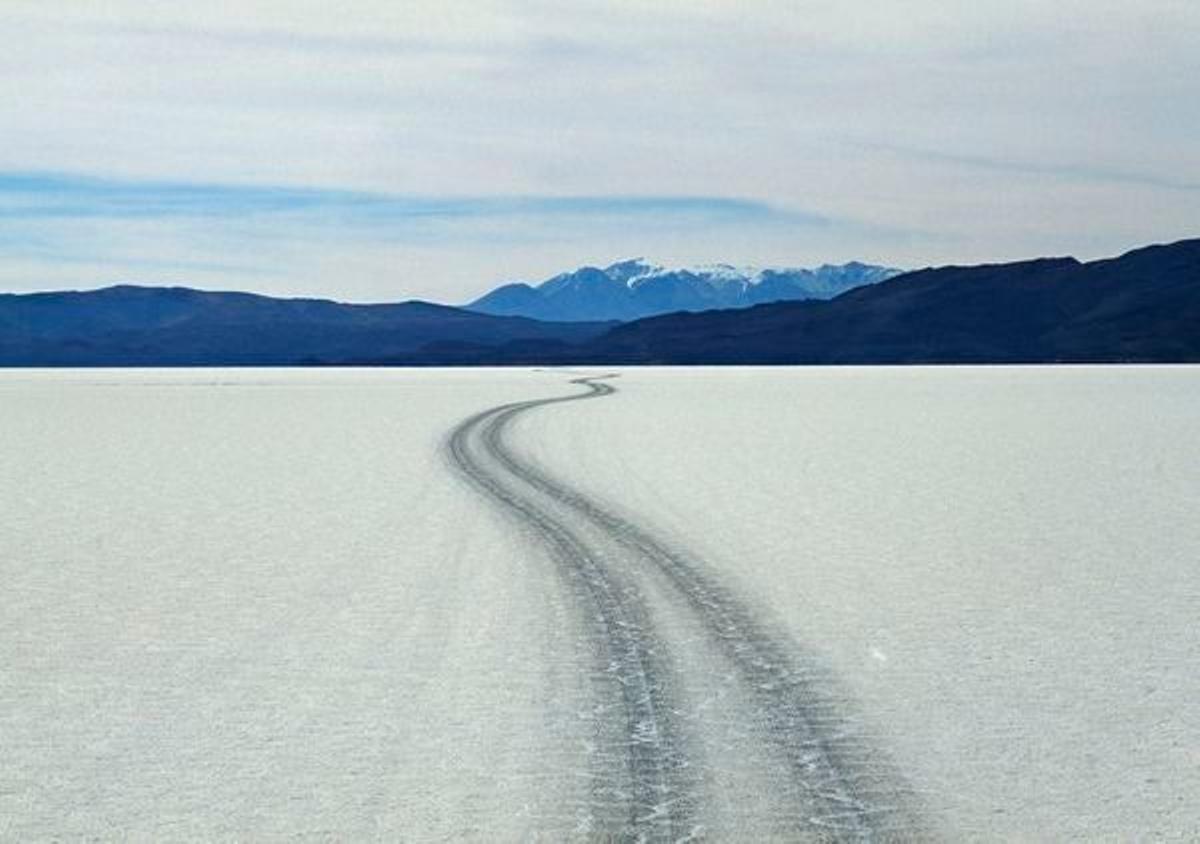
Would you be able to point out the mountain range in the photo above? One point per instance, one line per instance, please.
(176, 326)
(635, 289)
(1143, 306)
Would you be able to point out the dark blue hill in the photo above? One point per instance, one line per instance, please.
(174, 326)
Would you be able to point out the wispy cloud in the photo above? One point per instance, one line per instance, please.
(285, 40)
(1057, 170)
(48, 195)
(286, 238)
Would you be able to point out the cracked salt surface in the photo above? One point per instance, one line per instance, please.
(258, 604)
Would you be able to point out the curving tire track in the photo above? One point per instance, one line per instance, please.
(656, 798)
(848, 792)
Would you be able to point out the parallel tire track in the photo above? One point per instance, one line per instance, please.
(849, 793)
(658, 804)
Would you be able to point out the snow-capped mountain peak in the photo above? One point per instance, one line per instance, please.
(635, 270)
(627, 272)
(636, 288)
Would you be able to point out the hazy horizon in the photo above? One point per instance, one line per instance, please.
(385, 152)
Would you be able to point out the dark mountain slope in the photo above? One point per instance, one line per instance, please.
(1143, 306)
(129, 326)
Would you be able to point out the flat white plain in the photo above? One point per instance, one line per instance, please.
(260, 604)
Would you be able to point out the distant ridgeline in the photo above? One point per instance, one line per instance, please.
(1141, 307)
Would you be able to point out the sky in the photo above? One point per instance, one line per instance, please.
(372, 150)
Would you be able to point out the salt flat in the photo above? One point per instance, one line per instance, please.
(1000, 563)
(262, 604)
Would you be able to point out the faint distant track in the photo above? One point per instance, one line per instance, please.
(850, 794)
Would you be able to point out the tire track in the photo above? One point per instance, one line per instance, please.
(657, 800)
(849, 793)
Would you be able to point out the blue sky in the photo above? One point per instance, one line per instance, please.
(384, 151)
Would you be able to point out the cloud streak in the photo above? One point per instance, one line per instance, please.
(32, 195)
(1057, 170)
(280, 238)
